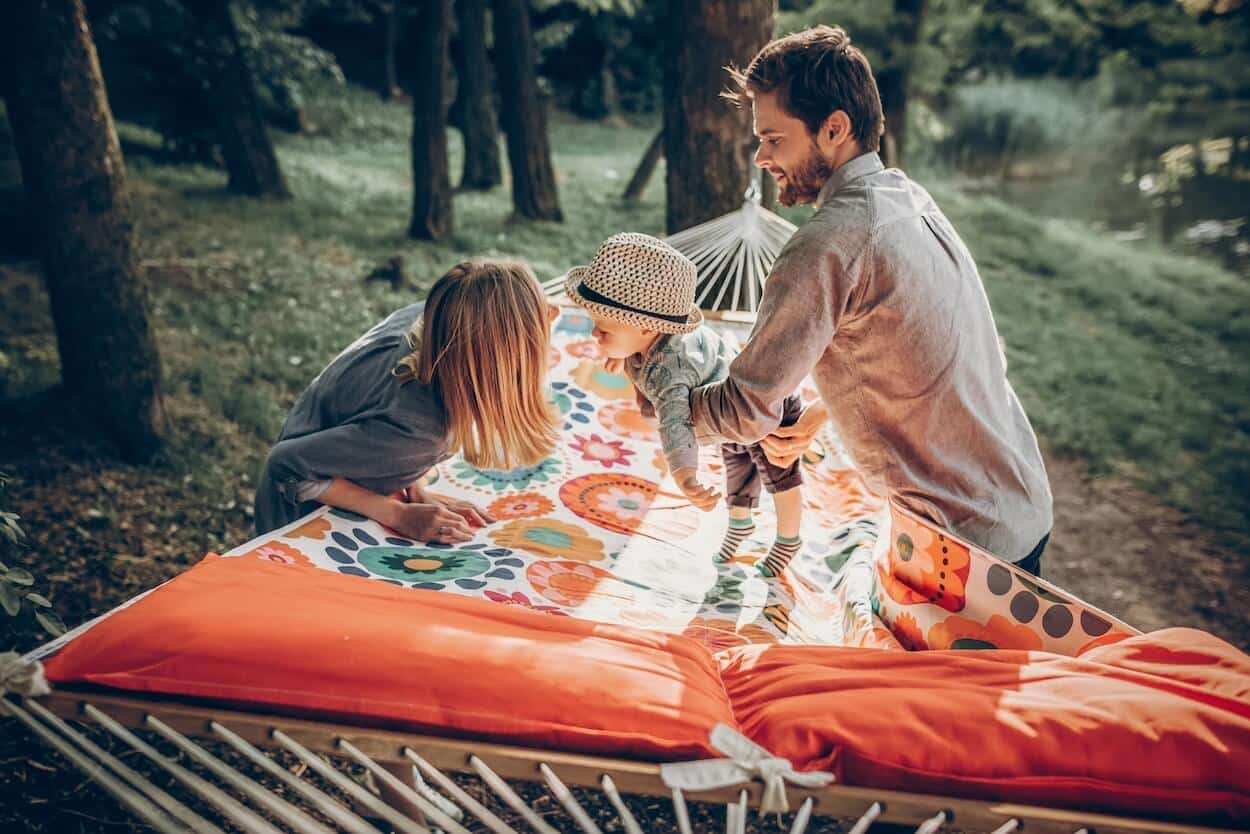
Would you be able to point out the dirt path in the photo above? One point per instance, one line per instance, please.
(1123, 551)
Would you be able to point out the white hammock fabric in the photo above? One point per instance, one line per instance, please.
(734, 254)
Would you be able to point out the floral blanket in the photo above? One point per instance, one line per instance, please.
(599, 531)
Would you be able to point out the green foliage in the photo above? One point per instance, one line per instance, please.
(1149, 52)
(990, 126)
(586, 45)
(16, 595)
(157, 64)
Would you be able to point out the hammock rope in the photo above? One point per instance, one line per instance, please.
(734, 253)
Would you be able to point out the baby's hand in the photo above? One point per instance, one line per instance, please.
(614, 366)
(703, 497)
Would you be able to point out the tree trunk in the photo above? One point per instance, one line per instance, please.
(646, 167)
(431, 183)
(390, 25)
(245, 146)
(707, 141)
(524, 114)
(75, 178)
(892, 81)
(482, 170)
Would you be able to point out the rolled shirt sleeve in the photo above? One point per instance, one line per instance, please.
(374, 453)
(666, 383)
(805, 297)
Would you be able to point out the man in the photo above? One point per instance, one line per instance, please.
(878, 298)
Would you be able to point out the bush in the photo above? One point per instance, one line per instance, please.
(998, 123)
(16, 597)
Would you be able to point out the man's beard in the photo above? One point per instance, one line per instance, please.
(804, 181)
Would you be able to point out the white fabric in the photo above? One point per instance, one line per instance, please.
(21, 676)
(744, 760)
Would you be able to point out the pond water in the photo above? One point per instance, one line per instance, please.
(1193, 198)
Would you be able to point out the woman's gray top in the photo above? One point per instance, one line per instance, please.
(354, 421)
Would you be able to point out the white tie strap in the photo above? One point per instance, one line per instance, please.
(21, 676)
(744, 760)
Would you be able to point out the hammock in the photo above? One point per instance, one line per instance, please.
(733, 253)
(608, 648)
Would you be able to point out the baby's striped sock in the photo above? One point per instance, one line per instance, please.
(739, 529)
(779, 555)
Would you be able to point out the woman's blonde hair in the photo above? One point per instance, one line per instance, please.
(483, 345)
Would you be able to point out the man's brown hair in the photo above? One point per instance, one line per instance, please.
(814, 73)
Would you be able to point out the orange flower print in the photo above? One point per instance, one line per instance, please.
(568, 584)
(909, 634)
(929, 562)
(623, 418)
(608, 453)
(315, 528)
(998, 633)
(549, 538)
(522, 601)
(524, 505)
(592, 377)
(279, 553)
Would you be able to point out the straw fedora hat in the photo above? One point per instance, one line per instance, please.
(640, 280)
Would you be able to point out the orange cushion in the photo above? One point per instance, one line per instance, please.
(296, 638)
(1158, 723)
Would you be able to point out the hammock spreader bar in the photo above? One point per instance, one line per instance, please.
(374, 750)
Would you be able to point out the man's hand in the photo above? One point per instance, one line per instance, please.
(703, 497)
(788, 443)
(470, 512)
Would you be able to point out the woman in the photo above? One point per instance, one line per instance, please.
(467, 377)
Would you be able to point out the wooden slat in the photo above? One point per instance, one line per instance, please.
(512, 762)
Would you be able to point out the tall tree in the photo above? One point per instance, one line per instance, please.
(524, 115)
(894, 77)
(74, 174)
(431, 184)
(389, 12)
(707, 142)
(477, 117)
(245, 146)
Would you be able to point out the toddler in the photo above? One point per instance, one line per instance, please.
(640, 293)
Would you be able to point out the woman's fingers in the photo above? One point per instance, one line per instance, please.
(473, 514)
(451, 520)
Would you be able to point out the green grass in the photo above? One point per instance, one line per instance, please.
(1126, 356)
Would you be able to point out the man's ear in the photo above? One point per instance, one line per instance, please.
(834, 132)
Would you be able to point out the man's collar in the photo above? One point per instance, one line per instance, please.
(860, 166)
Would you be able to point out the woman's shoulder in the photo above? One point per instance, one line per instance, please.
(418, 408)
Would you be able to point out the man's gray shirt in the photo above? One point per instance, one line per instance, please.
(878, 298)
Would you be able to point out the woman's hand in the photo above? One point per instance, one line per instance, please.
(788, 443)
(470, 512)
(427, 523)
